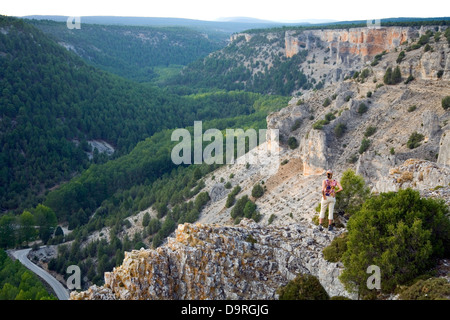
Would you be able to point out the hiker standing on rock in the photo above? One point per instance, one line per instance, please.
(328, 199)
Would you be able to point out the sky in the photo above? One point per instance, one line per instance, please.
(275, 10)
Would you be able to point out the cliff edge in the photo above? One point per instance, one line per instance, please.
(246, 261)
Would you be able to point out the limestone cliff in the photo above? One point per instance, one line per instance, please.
(344, 43)
(203, 261)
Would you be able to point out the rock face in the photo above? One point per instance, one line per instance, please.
(363, 42)
(246, 261)
(444, 149)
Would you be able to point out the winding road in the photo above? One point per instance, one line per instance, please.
(61, 292)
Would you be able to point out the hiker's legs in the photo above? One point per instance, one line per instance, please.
(323, 208)
(331, 202)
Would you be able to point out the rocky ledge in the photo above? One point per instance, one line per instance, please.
(207, 261)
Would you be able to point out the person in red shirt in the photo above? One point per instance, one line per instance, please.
(329, 191)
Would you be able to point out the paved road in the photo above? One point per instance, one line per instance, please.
(61, 292)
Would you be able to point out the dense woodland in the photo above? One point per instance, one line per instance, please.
(133, 52)
(18, 283)
(52, 103)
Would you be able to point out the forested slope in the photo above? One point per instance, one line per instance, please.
(52, 103)
(133, 52)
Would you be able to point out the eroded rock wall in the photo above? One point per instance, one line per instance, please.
(203, 261)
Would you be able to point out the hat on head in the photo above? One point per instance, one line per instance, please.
(329, 171)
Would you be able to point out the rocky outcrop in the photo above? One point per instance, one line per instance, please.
(444, 149)
(429, 178)
(314, 153)
(203, 261)
(343, 43)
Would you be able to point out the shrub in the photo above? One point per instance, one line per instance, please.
(329, 117)
(430, 289)
(412, 108)
(257, 191)
(377, 58)
(353, 159)
(423, 39)
(401, 233)
(339, 298)
(409, 79)
(446, 102)
(154, 226)
(414, 140)
(392, 77)
(303, 287)
(370, 131)
(337, 247)
(354, 193)
(340, 129)
(362, 108)
(392, 151)
(271, 218)
(347, 98)
(401, 56)
(327, 102)
(292, 143)
(364, 73)
(249, 209)
(437, 35)
(296, 124)
(232, 196)
(238, 209)
(405, 177)
(319, 124)
(227, 185)
(369, 94)
(365, 144)
(440, 73)
(244, 207)
(413, 47)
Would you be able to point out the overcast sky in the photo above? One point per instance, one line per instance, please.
(276, 10)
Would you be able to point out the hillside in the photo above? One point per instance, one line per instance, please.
(293, 61)
(329, 126)
(369, 100)
(55, 107)
(138, 53)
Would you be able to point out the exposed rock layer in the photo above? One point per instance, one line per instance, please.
(221, 262)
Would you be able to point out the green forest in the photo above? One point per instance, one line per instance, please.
(18, 283)
(52, 103)
(134, 52)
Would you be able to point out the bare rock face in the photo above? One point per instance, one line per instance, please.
(203, 261)
(314, 153)
(444, 149)
(363, 42)
(429, 178)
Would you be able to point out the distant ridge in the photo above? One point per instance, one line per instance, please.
(227, 24)
(220, 26)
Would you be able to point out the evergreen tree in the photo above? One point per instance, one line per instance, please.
(399, 232)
